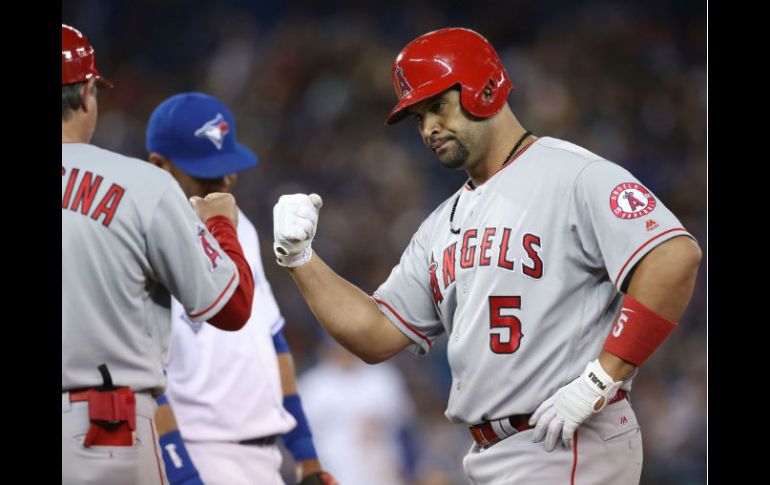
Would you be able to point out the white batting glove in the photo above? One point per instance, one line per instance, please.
(561, 414)
(294, 224)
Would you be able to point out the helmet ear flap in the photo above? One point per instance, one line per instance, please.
(479, 100)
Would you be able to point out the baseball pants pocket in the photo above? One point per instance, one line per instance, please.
(139, 464)
(616, 423)
(610, 448)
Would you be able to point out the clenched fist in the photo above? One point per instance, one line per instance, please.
(294, 225)
(215, 204)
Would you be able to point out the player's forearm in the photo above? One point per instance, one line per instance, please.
(237, 310)
(616, 367)
(180, 469)
(664, 280)
(288, 376)
(659, 291)
(165, 422)
(308, 467)
(299, 441)
(350, 316)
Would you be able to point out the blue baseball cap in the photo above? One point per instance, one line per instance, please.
(197, 133)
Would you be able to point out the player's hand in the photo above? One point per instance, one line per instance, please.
(215, 204)
(561, 414)
(294, 225)
(318, 478)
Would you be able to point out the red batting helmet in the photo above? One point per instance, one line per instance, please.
(436, 61)
(78, 63)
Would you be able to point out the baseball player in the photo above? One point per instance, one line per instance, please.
(129, 239)
(232, 394)
(554, 272)
(361, 416)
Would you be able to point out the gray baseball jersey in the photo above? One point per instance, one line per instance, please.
(129, 237)
(526, 280)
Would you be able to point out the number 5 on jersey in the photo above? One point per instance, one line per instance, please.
(505, 329)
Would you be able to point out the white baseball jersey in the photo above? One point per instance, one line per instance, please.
(129, 237)
(226, 386)
(528, 289)
(356, 414)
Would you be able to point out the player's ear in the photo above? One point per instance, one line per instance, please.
(85, 95)
(160, 161)
(230, 180)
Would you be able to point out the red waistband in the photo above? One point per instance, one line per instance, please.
(82, 394)
(490, 432)
(76, 396)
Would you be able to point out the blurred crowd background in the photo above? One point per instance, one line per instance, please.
(309, 85)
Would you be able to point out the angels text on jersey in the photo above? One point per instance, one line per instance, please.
(490, 246)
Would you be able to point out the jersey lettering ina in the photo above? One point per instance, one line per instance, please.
(526, 282)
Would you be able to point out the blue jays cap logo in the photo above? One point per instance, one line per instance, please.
(215, 130)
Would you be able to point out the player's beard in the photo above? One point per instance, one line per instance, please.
(454, 156)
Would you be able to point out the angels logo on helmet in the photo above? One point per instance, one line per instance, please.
(402, 85)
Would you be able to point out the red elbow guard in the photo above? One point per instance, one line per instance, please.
(237, 310)
(637, 333)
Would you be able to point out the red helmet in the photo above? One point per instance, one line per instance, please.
(436, 61)
(78, 63)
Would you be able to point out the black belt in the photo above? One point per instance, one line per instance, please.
(266, 441)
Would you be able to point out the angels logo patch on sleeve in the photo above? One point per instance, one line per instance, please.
(631, 200)
(208, 248)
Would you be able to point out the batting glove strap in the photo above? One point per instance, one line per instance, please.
(603, 385)
(293, 260)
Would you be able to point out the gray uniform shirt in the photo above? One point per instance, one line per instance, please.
(129, 237)
(528, 289)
